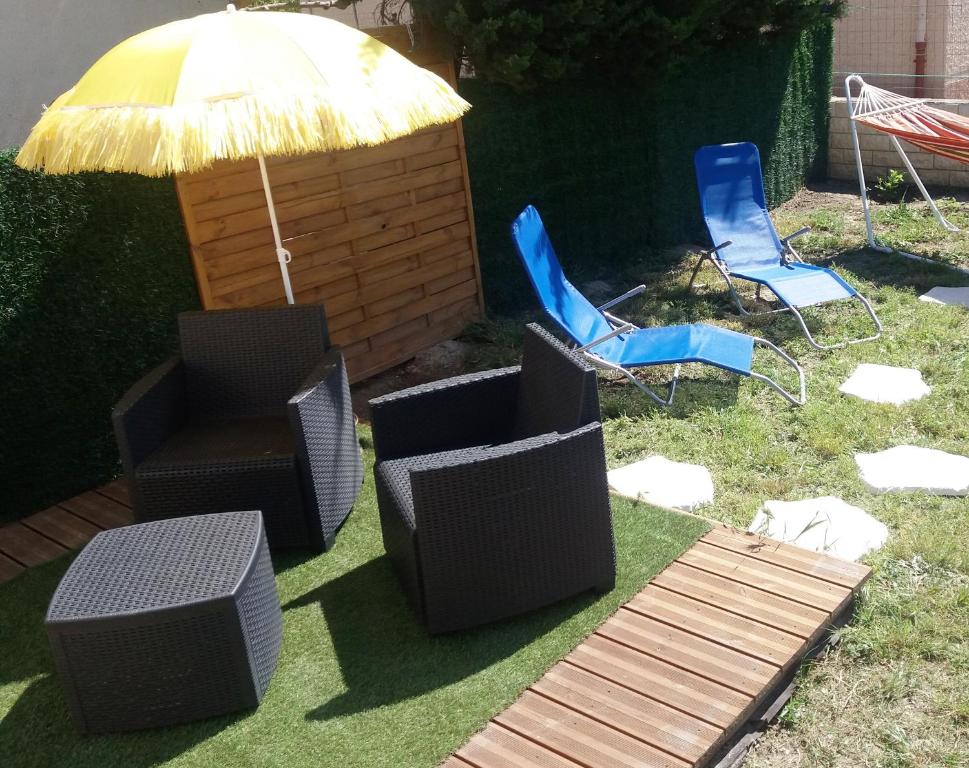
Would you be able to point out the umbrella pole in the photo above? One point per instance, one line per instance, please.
(282, 254)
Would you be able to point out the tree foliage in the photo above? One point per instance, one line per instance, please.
(525, 43)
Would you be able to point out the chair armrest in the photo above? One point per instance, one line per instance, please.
(149, 413)
(512, 528)
(474, 409)
(619, 299)
(326, 445)
(715, 250)
(802, 231)
(788, 248)
(616, 331)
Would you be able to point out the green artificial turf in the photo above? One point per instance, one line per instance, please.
(359, 682)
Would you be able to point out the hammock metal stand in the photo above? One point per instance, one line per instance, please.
(856, 113)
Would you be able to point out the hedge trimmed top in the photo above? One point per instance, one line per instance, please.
(524, 43)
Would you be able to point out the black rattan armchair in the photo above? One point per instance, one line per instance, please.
(254, 414)
(492, 488)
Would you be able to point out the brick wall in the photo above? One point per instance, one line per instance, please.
(878, 155)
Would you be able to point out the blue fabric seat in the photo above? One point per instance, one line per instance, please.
(746, 245)
(614, 344)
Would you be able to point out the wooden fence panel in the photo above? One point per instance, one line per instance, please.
(382, 236)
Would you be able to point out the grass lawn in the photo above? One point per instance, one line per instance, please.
(895, 691)
(359, 683)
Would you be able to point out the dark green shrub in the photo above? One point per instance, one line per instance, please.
(93, 269)
(609, 163)
(527, 43)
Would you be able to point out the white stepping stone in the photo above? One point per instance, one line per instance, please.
(885, 384)
(826, 524)
(909, 468)
(664, 483)
(942, 295)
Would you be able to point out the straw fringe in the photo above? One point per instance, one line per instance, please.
(157, 141)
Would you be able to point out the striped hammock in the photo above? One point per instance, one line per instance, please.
(934, 130)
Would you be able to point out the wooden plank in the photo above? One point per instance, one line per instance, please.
(842, 572)
(117, 490)
(741, 673)
(497, 747)
(9, 568)
(380, 359)
(764, 607)
(780, 581)
(455, 762)
(674, 674)
(635, 715)
(656, 679)
(100, 510)
(569, 732)
(283, 195)
(63, 527)
(387, 326)
(761, 641)
(28, 547)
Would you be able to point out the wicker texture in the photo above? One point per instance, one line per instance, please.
(488, 530)
(167, 622)
(255, 414)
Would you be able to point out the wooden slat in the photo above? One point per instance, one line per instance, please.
(742, 634)
(593, 744)
(635, 715)
(9, 568)
(680, 667)
(28, 547)
(67, 529)
(676, 688)
(100, 510)
(455, 762)
(733, 670)
(780, 581)
(118, 491)
(497, 747)
(824, 567)
(740, 599)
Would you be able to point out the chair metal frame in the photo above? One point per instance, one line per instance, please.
(789, 255)
(620, 326)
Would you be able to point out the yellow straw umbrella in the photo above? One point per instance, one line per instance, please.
(236, 85)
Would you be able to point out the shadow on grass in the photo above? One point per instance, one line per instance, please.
(893, 271)
(37, 730)
(381, 668)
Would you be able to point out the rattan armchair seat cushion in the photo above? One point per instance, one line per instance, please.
(167, 622)
(266, 439)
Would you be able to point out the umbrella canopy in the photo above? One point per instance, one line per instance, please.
(234, 85)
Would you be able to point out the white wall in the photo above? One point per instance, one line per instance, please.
(878, 156)
(46, 46)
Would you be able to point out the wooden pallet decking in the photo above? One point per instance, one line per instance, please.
(673, 677)
(69, 525)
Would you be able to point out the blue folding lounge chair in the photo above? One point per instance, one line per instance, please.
(611, 343)
(746, 245)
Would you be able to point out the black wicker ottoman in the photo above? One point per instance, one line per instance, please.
(167, 622)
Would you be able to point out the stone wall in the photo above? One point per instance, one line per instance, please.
(878, 155)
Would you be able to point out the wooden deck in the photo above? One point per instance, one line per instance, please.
(69, 525)
(673, 678)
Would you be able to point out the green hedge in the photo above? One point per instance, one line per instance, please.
(93, 269)
(610, 164)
